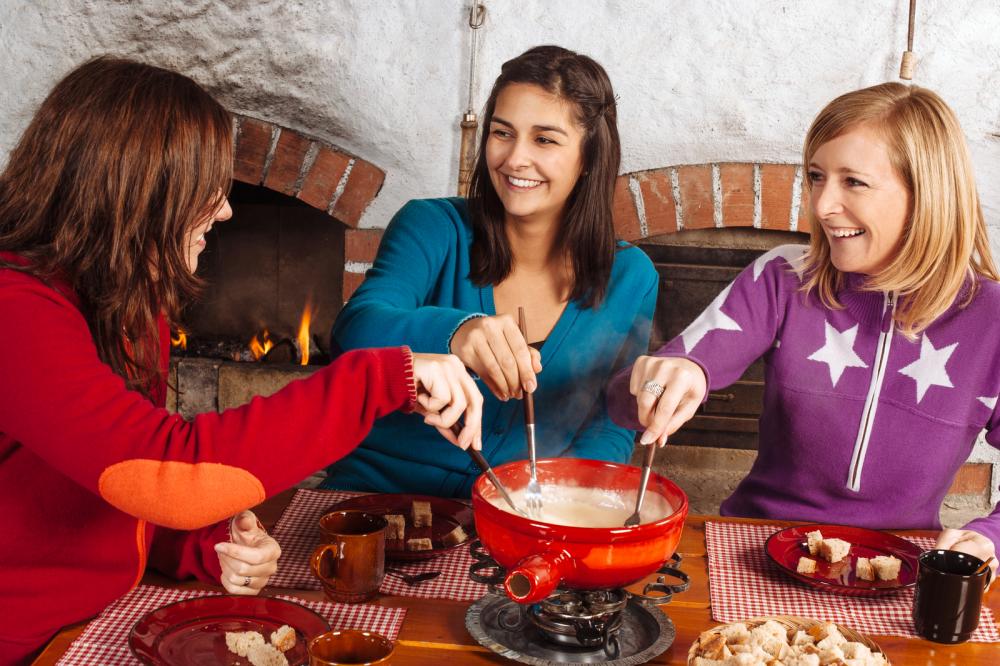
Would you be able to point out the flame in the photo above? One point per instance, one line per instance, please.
(260, 347)
(303, 335)
(181, 340)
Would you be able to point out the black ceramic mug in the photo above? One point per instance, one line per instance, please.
(949, 595)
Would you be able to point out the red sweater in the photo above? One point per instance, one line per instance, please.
(88, 467)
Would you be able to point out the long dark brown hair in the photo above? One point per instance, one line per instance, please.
(587, 232)
(120, 161)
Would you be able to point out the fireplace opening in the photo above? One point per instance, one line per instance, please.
(275, 282)
(694, 266)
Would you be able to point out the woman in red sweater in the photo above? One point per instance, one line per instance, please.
(104, 204)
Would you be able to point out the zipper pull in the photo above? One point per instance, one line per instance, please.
(888, 311)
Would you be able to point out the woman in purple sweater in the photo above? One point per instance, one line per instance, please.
(881, 338)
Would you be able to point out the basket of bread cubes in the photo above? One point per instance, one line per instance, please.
(784, 641)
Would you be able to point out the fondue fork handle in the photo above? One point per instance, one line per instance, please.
(647, 464)
(532, 492)
(488, 471)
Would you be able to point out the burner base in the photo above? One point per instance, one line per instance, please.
(502, 625)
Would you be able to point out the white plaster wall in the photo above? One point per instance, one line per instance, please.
(697, 80)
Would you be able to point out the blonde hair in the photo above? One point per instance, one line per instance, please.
(945, 241)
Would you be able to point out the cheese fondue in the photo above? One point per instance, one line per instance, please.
(589, 507)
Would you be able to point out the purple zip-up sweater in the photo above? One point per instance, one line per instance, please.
(860, 426)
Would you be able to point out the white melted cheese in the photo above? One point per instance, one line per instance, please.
(589, 507)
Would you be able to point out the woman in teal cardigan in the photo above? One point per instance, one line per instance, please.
(536, 232)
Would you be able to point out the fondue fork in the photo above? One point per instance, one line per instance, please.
(647, 463)
(532, 492)
(456, 429)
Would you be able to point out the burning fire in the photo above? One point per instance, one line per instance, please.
(181, 340)
(303, 335)
(260, 347)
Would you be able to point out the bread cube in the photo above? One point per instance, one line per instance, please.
(240, 642)
(266, 654)
(455, 537)
(886, 567)
(397, 526)
(834, 550)
(283, 638)
(422, 516)
(863, 569)
(712, 645)
(806, 565)
(814, 539)
(419, 544)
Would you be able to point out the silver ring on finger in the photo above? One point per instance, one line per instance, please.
(246, 581)
(654, 388)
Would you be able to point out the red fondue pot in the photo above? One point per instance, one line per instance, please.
(540, 556)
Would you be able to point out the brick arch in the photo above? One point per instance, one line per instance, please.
(317, 173)
(703, 196)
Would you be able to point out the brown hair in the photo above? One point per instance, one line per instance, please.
(587, 233)
(945, 239)
(120, 161)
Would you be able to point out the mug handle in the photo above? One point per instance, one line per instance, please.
(317, 558)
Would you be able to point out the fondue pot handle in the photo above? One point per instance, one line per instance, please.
(316, 561)
(536, 576)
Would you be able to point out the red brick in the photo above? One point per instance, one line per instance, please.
(972, 479)
(252, 144)
(737, 194)
(362, 185)
(776, 195)
(323, 177)
(696, 196)
(287, 162)
(658, 202)
(626, 217)
(804, 223)
(361, 244)
(351, 282)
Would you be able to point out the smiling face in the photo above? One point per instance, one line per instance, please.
(861, 203)
(195, 240)
(534, 152)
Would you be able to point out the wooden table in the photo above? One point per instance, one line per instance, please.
(434, 629)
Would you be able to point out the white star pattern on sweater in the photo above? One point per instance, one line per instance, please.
(790, 253)
(712, 319)
(838, 352)
(929, 370)
(989, 402)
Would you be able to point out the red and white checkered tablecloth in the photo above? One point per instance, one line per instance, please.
(744, 583)
(298, 533)
(105, 640)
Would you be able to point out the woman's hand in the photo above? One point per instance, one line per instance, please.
(668, 392)
(973, 543)
(445, 391)
(494, 349)
(250, 560)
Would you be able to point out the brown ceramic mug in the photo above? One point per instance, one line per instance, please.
(949, 595)
(350, 562)
(349, 647)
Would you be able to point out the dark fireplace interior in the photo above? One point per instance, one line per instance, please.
(263, 267)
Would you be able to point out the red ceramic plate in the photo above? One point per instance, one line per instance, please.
(785, 547)
(192, 632)
(448, 514)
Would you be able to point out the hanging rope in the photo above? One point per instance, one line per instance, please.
(470, 123)
(908, 62)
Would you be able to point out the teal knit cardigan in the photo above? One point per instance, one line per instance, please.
(418, 293)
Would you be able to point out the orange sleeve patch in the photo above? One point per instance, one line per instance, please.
(179, 495)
